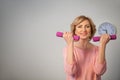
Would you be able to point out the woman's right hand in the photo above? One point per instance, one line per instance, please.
(68, 36)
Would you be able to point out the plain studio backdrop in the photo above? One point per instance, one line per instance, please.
(29, 48)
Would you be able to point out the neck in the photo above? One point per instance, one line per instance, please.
(83, 44)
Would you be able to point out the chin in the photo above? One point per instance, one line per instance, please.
(84, 37)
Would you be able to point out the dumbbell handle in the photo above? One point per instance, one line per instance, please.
(97, 38)
(60, 34)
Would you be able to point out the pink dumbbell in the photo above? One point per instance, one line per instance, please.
(60, 34)
(97, 38)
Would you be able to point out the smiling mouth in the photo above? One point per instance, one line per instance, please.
(84, 33)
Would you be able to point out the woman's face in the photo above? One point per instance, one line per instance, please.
(83, 30)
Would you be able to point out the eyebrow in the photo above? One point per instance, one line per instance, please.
(85, 25)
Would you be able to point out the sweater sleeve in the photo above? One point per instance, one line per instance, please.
(70, 69)
(99, 68)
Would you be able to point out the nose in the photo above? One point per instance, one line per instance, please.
(84, 28)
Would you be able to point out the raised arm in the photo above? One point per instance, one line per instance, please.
(100, 61)
(102, 46)
(70, 45)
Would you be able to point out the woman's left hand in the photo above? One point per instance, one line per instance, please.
(104, 39)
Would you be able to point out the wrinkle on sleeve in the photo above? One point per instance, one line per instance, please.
(70, 69)
(99, 68)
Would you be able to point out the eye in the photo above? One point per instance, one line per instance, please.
(87, 26)
(79, 26)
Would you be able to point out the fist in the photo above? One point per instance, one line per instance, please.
(104, 39)
(68, 36)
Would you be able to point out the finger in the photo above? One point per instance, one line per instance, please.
(64, 34)
(108, 36)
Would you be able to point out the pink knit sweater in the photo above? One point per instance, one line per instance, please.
(85, 66)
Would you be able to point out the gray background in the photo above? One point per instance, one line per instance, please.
(29, 49)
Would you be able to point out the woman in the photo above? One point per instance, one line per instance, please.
(82, 59)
